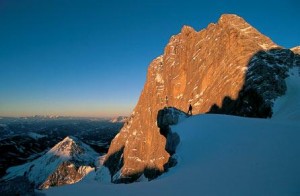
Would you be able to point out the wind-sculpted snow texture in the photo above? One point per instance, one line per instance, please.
(229, 67)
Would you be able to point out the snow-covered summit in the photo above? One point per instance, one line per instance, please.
(71, 147)
(66, 163)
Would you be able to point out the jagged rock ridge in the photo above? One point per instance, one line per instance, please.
(66, 163)
(223, 68)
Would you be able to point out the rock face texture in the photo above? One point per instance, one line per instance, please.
(66, 163)
(222, 69)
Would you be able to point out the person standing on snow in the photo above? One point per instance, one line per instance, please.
(190, 110)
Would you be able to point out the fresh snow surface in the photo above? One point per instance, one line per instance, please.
(224, 155)
(288, 106)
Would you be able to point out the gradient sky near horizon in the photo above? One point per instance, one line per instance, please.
(90, 58)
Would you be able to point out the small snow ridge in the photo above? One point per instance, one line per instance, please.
(197, 96)
(117, 176)
(197, 103)
(179, 96)
(264, 46)
(3, 125)
(35, 135)
(246, 29)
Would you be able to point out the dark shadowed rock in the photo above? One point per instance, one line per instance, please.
(17, 186)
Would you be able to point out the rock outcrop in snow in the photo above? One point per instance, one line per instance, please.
(229, 67)
(66, 163)
(165, 118)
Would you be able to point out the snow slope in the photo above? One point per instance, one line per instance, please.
(288, 106)
(225, 155)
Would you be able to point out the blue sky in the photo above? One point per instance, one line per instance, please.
(90, 58)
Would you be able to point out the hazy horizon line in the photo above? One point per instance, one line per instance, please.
(57, 116)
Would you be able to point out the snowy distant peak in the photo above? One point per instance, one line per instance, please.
(119, 119)
(66, 163)
(46, 117)
(70, 147)
(67, 147)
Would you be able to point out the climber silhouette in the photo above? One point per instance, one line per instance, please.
(190, 110)
(166, 101)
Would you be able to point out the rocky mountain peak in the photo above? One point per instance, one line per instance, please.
(232, 19)
(229, 67)
(66, 163)
(187, 30)
(68, 147)
(119, 119)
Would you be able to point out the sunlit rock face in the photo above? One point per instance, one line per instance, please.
(296, 50)
(210, 69)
